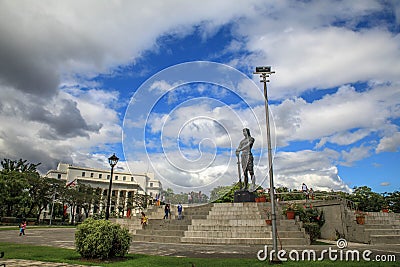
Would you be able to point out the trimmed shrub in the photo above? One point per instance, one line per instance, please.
(313, 229)
(101, 239)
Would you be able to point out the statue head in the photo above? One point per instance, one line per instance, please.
(246, 132)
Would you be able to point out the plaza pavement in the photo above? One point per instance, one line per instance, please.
(64, 238)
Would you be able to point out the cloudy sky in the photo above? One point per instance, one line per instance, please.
(169, 85)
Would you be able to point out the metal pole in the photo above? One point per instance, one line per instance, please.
(109, 195)
(264, 73)
(271, 173)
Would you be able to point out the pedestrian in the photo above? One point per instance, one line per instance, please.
(189, 198)
(166, 211)
(22, 227)
(304, 188)
(156, 200)
(143, 220)
(311, 193)
(179, 211)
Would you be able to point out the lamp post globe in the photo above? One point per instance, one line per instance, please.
(113, 160)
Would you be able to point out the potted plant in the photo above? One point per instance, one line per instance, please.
(360, 217)
(385, 208)
(268, 221)
(261, 197)
(291, 210)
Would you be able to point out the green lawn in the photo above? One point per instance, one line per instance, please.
(52, 254)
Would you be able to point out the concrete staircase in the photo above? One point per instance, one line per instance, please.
(382, 228)
(242, 223)
(222, 223)
(170, 230)
(133, 224)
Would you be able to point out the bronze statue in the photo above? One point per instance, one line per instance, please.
(245, 147)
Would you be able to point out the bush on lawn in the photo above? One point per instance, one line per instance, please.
(101, 239)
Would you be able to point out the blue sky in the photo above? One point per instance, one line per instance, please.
(169, 85)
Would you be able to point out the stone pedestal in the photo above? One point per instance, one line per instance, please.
(243, 196)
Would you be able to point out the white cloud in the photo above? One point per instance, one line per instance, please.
(389, 143)
(45, 45)
(315, 168)
(345, 138)
(334, 117)
(355, 154)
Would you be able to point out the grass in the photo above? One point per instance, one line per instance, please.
(52, 254)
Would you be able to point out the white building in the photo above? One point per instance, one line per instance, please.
(124, 183)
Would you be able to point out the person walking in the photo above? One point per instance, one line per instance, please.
(166, 211)
(22, 228)
(179, 211)
(304, 188)
(311, 194)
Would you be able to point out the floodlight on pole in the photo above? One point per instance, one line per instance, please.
(113, 160)
(264, 72)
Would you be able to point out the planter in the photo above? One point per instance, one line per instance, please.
(290, 215)
(360, 220)
(385, 210)
(261, 199)
(268, 221)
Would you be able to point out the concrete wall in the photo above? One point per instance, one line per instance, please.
(340, 222)
(334, 219)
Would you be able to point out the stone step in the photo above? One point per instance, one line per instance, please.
(234, 212)
(243, 234)
(224, 208)
(383, 215)
(234, 217)
(169, 227)
(244, 241)
(158, 239)
(381, 226)
(380, 222)
(383, 231)
(385, 239)
(224, 228)
(231, 222)
(194, 216)
(196, 210)
(160, 232)
(170, 221)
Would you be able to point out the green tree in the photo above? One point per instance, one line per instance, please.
(366, 200)
(219, 192)
(41, 191)
(15, 175)
(18, 166)
(393, 201)
(15, 193)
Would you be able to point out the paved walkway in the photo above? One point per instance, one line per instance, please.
(28, 263)
(64, 237)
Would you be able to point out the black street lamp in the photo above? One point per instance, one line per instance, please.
(265, 72)
(113, 160)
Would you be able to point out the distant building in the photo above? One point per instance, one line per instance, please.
(124, 184)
